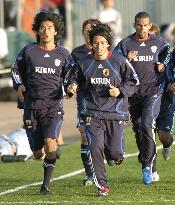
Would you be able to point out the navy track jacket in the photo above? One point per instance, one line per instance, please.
(94, 78)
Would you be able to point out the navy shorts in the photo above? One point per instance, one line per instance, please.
(165, 120)
(41, 124)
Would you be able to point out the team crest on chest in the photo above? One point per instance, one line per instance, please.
(154, 49)
(57, 62)
(106, 72)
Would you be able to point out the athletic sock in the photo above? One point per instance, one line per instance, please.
(49, 165)
(85, 156)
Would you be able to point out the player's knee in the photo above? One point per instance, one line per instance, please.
(166, 138)
(38, 154)
(50, 147)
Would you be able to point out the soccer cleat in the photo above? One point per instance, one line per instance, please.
(44, 190)
(110, 162)
(166, 152)
(119, 161)
(88, 181)
(147, 176)
(156, 177)
(103, 192)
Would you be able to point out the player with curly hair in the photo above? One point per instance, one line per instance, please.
(37, 76)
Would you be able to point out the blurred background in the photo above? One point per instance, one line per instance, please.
(16, 17)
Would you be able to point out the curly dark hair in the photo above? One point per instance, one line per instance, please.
(57, 20)
(101, 30)
(92, 22)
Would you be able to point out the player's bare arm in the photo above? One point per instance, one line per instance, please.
(21, 89)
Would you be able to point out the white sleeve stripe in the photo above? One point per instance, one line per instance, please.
(16, 77)
(134, 72)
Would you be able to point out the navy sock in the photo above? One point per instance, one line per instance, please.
(49, 165)
(85, 156)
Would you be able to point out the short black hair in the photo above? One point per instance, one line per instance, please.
(141, 15)
(57, 20)
(101, 30)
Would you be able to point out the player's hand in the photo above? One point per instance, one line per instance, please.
(113, 91)
(72, 88)
(171, 87)
(132, 55)
(160, 67)
(20, 91)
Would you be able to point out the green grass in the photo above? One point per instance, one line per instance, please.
(125, 181)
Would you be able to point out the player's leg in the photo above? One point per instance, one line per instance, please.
(51, 125)
(114, 138)
(165, 124)
(60, 142)
(167, 139)
(49, 163)
(33, 132)
(95, 129)
(136, 126)
(135, 111)
(85, 154)
(155, 173)
(150, 111)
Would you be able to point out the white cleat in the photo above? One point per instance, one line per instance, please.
(156, 177)
(166, 152)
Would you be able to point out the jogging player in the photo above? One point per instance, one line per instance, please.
(165, 120)
(149, 55)
(107, 80)
(37, 74)
(77, 54)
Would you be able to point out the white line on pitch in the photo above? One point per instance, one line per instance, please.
(60, 177)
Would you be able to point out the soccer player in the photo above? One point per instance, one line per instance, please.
(37, 74)
(149, 55)
(77, 54)
(106, 79)
(165, 120)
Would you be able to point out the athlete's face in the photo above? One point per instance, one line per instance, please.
(47, 32)
(142, 27)
(100, 47)
(86, 30)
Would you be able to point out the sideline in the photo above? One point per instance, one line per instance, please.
(61, 177)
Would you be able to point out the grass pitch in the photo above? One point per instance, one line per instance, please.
(20, 182)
